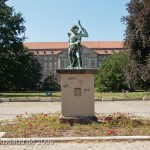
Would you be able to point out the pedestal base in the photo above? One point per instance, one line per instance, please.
(78, 119)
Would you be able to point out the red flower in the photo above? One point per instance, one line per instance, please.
(110, 132)
(26, 113)
(45, 115)
(45, 125)
(30, 125)
(17, 116)
(70, 123)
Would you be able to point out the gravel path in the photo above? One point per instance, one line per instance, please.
(137, 145)
(9, 110)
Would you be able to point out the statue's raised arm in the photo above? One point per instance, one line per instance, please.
(85, 33)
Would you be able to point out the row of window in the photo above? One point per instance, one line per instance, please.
(36, 52)
(47, 58)
(43, 52)
(90, 62)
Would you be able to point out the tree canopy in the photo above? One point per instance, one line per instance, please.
(137, 43)
(111, 73)
(50, 83)
(17, 65)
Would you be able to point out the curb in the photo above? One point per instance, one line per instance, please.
(67, 139)
(59, 100)
(28, 100)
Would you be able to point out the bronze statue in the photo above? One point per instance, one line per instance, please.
(74, 47)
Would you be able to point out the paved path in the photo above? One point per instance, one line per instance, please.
(9, 110)
(138, 145)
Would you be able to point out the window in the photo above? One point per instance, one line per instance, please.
(50, 58)
(50, 65)
(99, 57)
(55, 57)
(85, 65)
(112, 51)
(36, 52)
(104, 51)
(43, 52)
(50, 52)
(41, 58)
(99, 63)
(62, 63)
(93, 62)
(45, 58)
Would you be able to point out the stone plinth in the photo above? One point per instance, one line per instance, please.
(77, 89)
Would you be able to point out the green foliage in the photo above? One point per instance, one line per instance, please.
(50, 83)
(27, 72)
(18, 68)
(137, 43)
(111, 73)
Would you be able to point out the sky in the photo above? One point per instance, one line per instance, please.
(51, 20)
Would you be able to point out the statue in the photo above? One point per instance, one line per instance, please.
(74, 47)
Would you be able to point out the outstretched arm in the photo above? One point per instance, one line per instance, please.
(85, 33)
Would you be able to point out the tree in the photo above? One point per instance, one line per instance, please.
(29, 72)
(15, 59)
(50, 84)
(111, 73)
(137, 43)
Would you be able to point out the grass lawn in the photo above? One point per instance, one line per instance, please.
(120, 95)
(30, 94)
(97, 95)
(48, 125)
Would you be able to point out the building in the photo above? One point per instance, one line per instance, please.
(54, 55)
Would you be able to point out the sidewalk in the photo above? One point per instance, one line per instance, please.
(9, 110)
(137, 145)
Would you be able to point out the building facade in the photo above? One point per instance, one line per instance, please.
(54, 55)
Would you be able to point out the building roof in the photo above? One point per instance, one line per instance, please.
(64, 45)
(46, 45)
(100, 51)
(103, 44)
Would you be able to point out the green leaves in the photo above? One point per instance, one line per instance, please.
(111, 73)
(137, 42)
(19, 69)
(50, 83)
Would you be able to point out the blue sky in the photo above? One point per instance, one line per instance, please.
(51, 20)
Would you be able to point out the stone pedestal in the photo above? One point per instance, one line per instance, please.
(77, 89)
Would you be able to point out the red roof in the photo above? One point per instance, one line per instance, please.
(64, 45)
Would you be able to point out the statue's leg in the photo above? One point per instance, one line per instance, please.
(70, 58)
(79, 60)
(74, 63)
